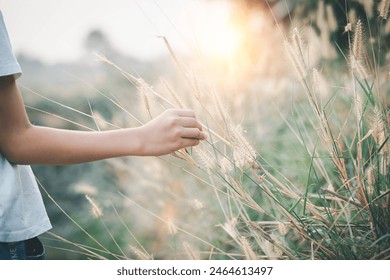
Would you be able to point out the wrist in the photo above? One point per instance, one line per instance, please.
(136, 141)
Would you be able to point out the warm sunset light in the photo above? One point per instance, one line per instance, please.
(225, 42)
(203, 135)
(221, 35)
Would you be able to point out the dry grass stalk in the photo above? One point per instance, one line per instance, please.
(143, 88)
(190, 252)
(316, 87)
(141, 255)
(358, 108)
(172, 229)
(283, 228)
(297, 43)
(245, 197)
(221, 109)
(343, 198)
(195, 85)
(269, 238)
(179, 102)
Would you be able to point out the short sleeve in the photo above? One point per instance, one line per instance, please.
(8, 63)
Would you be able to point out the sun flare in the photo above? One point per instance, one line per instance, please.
(220, 36)
(225, 42)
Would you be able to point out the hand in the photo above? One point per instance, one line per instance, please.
(174, 129)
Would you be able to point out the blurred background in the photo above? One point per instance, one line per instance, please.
(235, 48)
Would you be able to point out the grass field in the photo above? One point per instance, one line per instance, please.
(296, 164)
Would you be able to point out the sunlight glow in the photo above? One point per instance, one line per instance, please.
(226, 42)
(220, 35)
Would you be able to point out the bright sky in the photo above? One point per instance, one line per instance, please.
(54, 31)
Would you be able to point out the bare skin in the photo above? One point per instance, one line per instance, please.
(23, 143)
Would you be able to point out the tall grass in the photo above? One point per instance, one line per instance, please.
(227, 198)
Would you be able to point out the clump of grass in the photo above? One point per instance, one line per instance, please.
(357, 226)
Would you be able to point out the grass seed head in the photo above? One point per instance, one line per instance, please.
(96, 211)
(383, 8)
(248, 251)
(357, 53)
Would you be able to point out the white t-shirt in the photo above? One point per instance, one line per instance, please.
(22, 213)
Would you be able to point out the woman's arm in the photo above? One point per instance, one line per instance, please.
(23, 143)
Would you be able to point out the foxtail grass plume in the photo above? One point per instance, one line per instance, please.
(226, 166)
(243, 152)
(297, 42)
(300, 68)
(206, 158)
(369, 175)
(357, 45)
(380, 134)
(248, 251)
(96, 211)
(357, 52)
(383, 8)
(230, 228)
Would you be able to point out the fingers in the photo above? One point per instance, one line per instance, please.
(189, 143)
(189, 129)
(193, 133)
(185, 113)
(190, 123)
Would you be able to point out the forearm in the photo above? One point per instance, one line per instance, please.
(23, 143)
(41, 145)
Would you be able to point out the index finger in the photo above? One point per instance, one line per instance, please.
(186, 113)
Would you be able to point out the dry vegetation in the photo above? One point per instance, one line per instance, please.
(293, 168)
